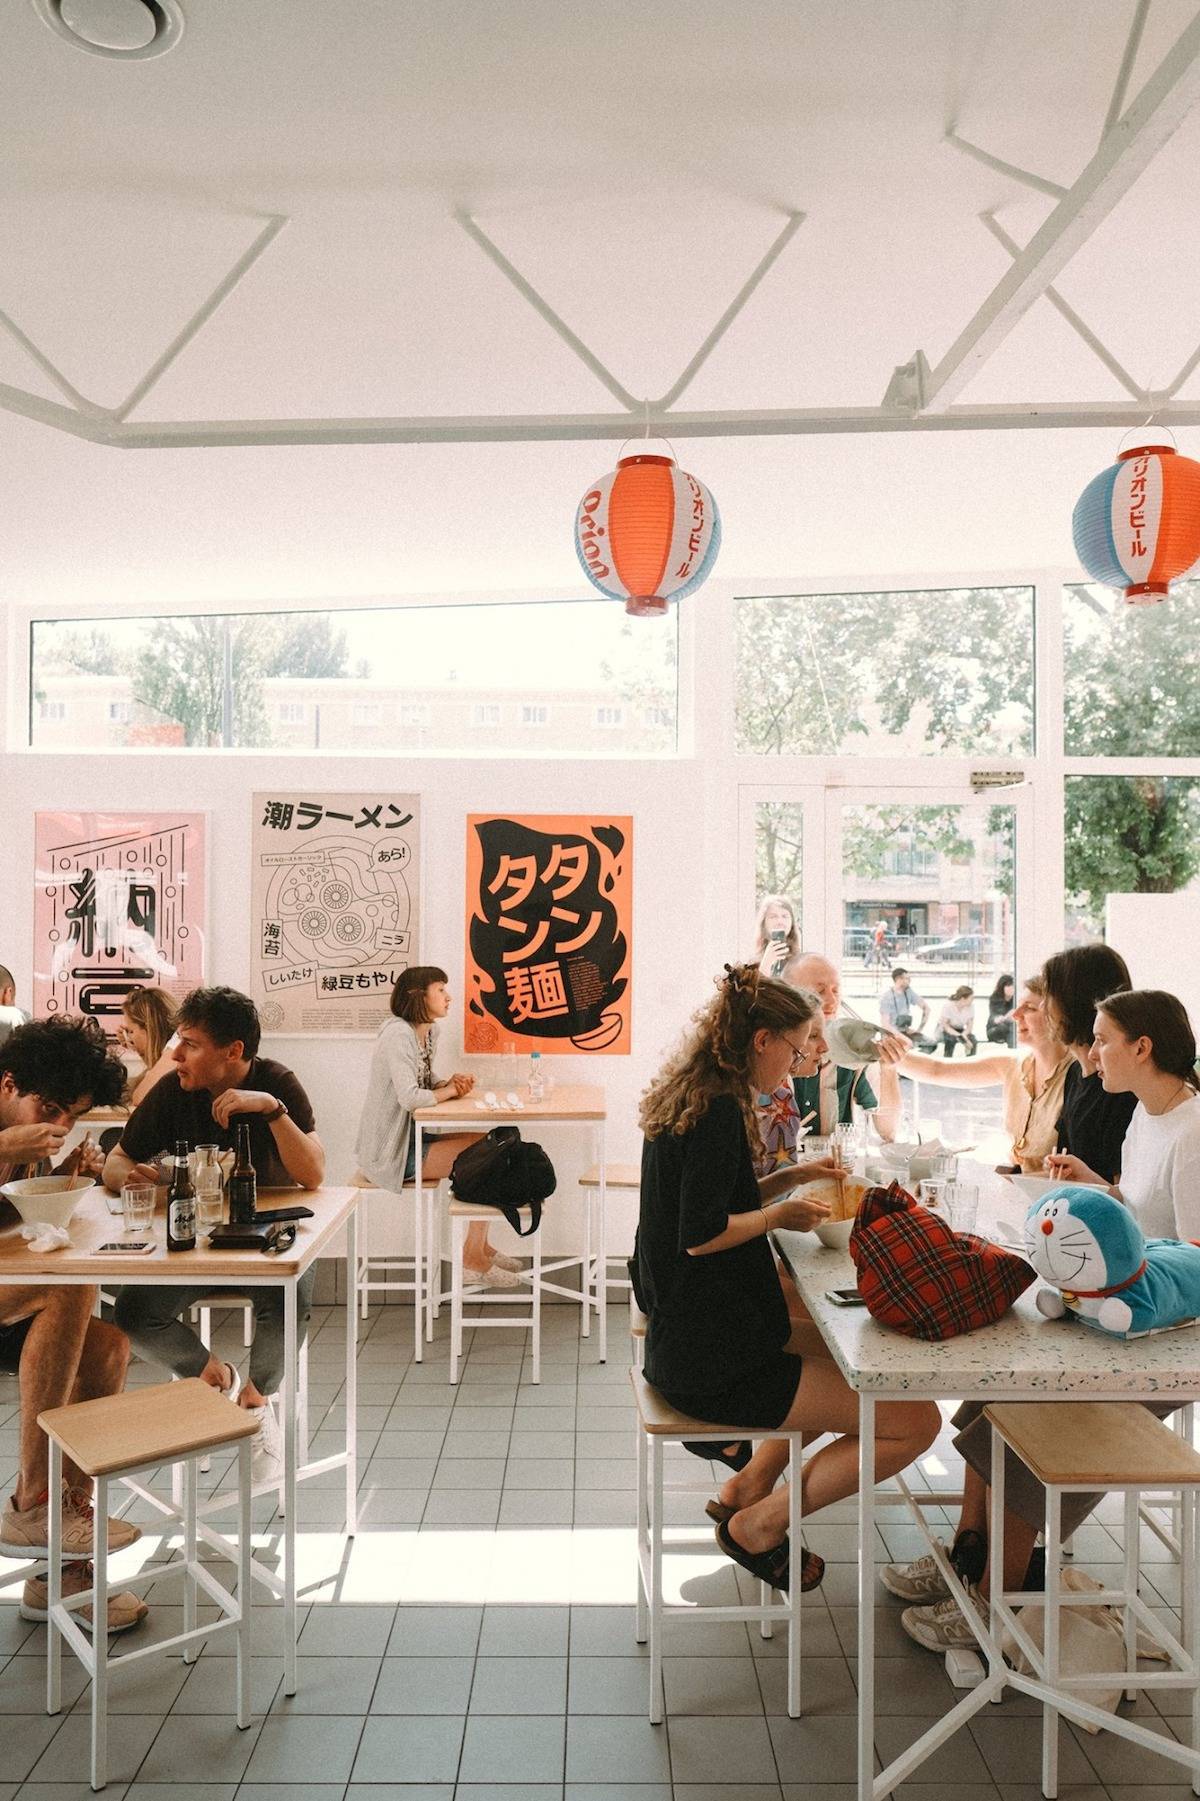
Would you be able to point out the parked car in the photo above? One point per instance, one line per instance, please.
(967, 947)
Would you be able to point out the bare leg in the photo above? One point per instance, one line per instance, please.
(102, 1366)
(478, 1252)
(48, 1370)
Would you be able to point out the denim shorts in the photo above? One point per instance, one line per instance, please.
(410, 1161)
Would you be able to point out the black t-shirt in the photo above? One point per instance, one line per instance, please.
(1093, 1123)
(169, 1113)
(711, 1319)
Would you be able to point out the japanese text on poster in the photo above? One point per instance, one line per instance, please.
(549, 909)
(119, 902)
(335, 891)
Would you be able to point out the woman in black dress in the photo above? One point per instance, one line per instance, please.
(719, 1342)
(1093, 1123)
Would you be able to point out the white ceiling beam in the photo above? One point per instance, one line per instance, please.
(1126, 151)
(567, 428)
(1026, 177)
(1116, 105)
(53, 374)
(1073, 319)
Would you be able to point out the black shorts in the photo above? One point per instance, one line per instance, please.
(762, 1397)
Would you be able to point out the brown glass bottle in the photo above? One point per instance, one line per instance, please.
(243, 1184)
(181, 1203)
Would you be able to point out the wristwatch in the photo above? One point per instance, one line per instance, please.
(278, 1111)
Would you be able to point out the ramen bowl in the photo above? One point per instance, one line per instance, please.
(844, 1199)
(47, 1200)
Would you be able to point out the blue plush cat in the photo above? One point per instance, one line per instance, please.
(1091, 1249)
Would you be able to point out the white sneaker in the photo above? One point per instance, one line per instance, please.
(502, 1261)
(920, 1582)
(943, 1627)
(494, 1276)
(233, 1388)
(266, 1448)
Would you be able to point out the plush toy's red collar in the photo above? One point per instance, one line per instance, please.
(1099, 1294)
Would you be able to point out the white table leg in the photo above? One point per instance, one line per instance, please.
(245, 1579)
(1189, 1522)
(795, 1597)
(190, 1555)
(602, 1258)
(100, 1637)
(866, 1597)
(352, 1380)
(657, 1702)
(1050, 1638)
(53, 1634)
(289, 1487)
(418, 1273)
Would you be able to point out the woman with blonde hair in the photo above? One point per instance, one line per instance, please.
(776, 934)
(719, 1342)
(148, 1027)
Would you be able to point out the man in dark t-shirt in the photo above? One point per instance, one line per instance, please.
(219, 1082)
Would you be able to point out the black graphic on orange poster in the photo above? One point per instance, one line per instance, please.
(548, 956)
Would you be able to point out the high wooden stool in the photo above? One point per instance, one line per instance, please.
(1079, 1447)
(659, 1424)
(462, 1214)
(121, 1436)
(387, 1272)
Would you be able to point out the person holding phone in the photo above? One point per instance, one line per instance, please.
(776, 937)
(719, 1340)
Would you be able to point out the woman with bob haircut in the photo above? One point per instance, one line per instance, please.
(148, 1027)
(1144, 1046)
(776, 935)
(719, 1342)
(402, 1079)
(1093, 1121)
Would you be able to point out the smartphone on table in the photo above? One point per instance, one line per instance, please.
(136, 1247)
(844, 1297)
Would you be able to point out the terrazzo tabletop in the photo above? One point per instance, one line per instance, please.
(1023, 1356)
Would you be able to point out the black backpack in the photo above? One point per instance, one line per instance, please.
(504, 1172)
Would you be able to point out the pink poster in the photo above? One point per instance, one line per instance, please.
(119, 901)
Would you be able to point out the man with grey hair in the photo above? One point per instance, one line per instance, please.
(831, 1093)
(11, 1016)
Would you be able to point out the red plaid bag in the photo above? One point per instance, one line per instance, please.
(917, 1274)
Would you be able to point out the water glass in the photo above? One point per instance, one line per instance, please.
(943, 1166)
(814, 1146)
(962, 1204)
(137, 1204)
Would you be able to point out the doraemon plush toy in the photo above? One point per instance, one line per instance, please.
(1091, 1248)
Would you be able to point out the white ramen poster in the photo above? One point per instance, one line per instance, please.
(335, 894)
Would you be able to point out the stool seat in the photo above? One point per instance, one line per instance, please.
(146, 1425)
(479, 1210)
(616, 1175)
(661, 1420)
(1100, 1444)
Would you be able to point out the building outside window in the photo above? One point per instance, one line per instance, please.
(610, 716)
(291, 712)
(534, 715)
(485, 713)
(52, 712)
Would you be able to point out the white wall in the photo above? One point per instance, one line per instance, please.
(666, 801)
(1158, 935)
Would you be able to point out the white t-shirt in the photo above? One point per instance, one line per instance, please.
(1160, 1170)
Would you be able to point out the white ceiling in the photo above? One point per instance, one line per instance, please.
(634, 164)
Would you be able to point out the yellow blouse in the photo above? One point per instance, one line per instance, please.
(1031, 1113)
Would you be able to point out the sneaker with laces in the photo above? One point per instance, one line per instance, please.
(494, 1276)
(502, 1261)
(124, 1610)
(943, 1627)
(25, 1531)
(266, 1448)
(920, 1581)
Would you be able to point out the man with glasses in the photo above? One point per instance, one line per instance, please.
(51, 1071)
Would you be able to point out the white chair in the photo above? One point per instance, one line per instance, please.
(660, 1424)
(463, 1214)
(594, 1279)
(117, 1438)
(387, 1272)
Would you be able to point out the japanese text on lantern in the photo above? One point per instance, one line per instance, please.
(548, 933)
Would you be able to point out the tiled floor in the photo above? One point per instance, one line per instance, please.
(476, 1640)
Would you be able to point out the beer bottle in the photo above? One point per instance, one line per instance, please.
(181, 1203)
(243, 1186)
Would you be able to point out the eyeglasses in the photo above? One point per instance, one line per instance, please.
(798, 1055)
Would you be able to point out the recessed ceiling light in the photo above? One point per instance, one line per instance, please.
(130, 29)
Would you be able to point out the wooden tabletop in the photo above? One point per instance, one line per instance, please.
(94, 1225)
(104, 1116)
(569, 1100)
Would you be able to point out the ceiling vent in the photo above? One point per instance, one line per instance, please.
(129, 29)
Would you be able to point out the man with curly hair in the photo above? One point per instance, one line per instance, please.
(51, 1071)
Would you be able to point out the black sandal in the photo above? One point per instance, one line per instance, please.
(773, 1566)
(736, 1459)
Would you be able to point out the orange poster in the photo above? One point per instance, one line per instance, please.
(549, 933)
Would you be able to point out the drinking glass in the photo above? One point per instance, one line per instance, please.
(943, 1166)
(962, 1204)
(137, 1204)
(932, 1194)
(206, 1179)
(814, 1147)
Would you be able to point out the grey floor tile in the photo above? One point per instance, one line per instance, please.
(818, 1637)
(406, 1791)
(543, 1472)
(508, 1791)
(530, 1443)
(607, 1685)
(604, 1632)
(23, 1685)
(435, 1632)
(462, 1507)
(66, 1757)
(207, 1742)
(179, 1791)
(295, 1791)
(959, 1760)
(728, 1791)
(398, 1472)
(333, 1631)
(519, 1685)
(522, 1507)
(804, 1746)
(524, 1632)
(610, 1507)
(513, 1749)
(73, 1791)
(329, 1685)
(209, 1687)
(423, 1685)
(425, 1748)
(392, 1507)
(826, 1686)
(630, 1791)
(475, 1472)
(1088, 1791)
(299, 1750)
(616, 1750)
(711, 1685)
(1115, 1760)
(463, 1445)
(721, 1750)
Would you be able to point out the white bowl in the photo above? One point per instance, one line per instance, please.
(1033, 1187)
(835, 1233)
(47, 1200)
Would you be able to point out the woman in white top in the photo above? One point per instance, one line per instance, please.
(1144, 1045)
(956, 1021)
(1032, 1083)
(401, 1080)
